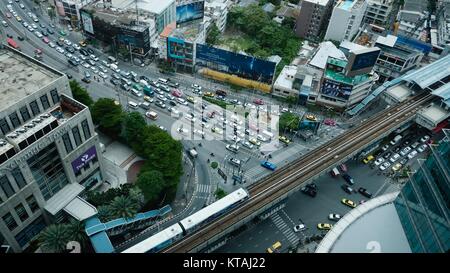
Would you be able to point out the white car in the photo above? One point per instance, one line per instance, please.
(86, 65)
(136, 93)
(284, 110)
(385, 165)
(94, 69)
(30, 28)
(76, 46)
(334, 217)
(60, 50)
(68, 55)
(379, 161)
(103, 69)
(21, 6)
(425, 138)
(103, 75)
(422, 148)
(405, 151)
(261, 138)
(38, 34)
(385, 147)
(93, 57)
(34, 26)
(67, 42)
(191, 119)
(161, 98)
(196, 86)
(247, 144)
(183, 131)
(412, 154)
(300, 227)
(394, 158)
(51, 44)
(105, 63)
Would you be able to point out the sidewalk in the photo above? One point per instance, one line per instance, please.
(186, 187)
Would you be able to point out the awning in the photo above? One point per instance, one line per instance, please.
(80, 209)
(63, 198)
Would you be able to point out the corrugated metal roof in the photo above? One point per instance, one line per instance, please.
(443, 92)
(431, 73)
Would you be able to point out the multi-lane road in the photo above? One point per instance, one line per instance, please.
(296, 174)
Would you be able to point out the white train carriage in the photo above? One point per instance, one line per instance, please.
(158, 241)
(215, 209)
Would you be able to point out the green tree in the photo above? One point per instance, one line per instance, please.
(104, 213)
(108, 115)
(151, 183)
(220, 193)
(54, 238)
(133, 126)
(80, 94)
(51, 13)
(76, 230)
(123, 207)
(288, 121)
(214, 165)
(212, 38)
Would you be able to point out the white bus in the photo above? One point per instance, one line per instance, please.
(151, 115)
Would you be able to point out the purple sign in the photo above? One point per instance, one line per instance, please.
(84, 159)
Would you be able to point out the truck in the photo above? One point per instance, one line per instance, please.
(192, 153)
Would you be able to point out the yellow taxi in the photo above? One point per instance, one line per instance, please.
(275, 246)
(209, 94)
(324, 226)
(254, 141)
(348, 202)
(147, 98)
(190, 99)
(310, 117)
(397, 167)
(284, 139)
(368, 159)
(82, 43)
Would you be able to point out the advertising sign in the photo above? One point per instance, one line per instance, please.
(362, 61)
(336, 89)
(84, 159)
(87, 22)
(243, 66)
(221, 173)
(190, 12)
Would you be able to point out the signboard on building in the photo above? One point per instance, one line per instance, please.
(86, 19)
(362, 61)
(336, 89)
(243, 66)
(190, 12)
(84, 159)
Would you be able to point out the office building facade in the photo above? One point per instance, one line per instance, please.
(313, 19)
(423, 205)
(345, 20)
(49, 151)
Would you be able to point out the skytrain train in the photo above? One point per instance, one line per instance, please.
(177, 231)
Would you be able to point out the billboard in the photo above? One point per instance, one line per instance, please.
(335, 89)
(243, 66)
(139, 40)
(190, 12)
(87, 22)
(171, 52)
(362, 61)
(84, 159)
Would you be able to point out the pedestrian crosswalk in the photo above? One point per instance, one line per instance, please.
(284, 228)
(203, 188)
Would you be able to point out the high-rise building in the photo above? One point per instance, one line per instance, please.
(49, 151)
(378, 12)
(423, 204)
(346, 19)
(313, 18)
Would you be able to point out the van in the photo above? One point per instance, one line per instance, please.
(164, 81)
(334, 172)
(396, 139)
(268, 134)
(175, 113)
(112, 60)
(114, 68)
(145, 105)
(151, 115)
(133, 105)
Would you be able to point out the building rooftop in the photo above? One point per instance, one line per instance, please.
(399, 92)
(325, 50)
(189, 33)
(430, 74)
(286, 77)
(346, 4)
(20, 78)
(168, 29)
(153, 6)
(318, 2)
(434, 113)
(373, 226)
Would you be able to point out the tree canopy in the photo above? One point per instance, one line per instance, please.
(213, 35)
(288, 121)
(80, 94)
(108, 116)
(133, 127)
(151, 183)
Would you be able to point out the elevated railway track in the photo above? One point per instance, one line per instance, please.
(293, 176)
